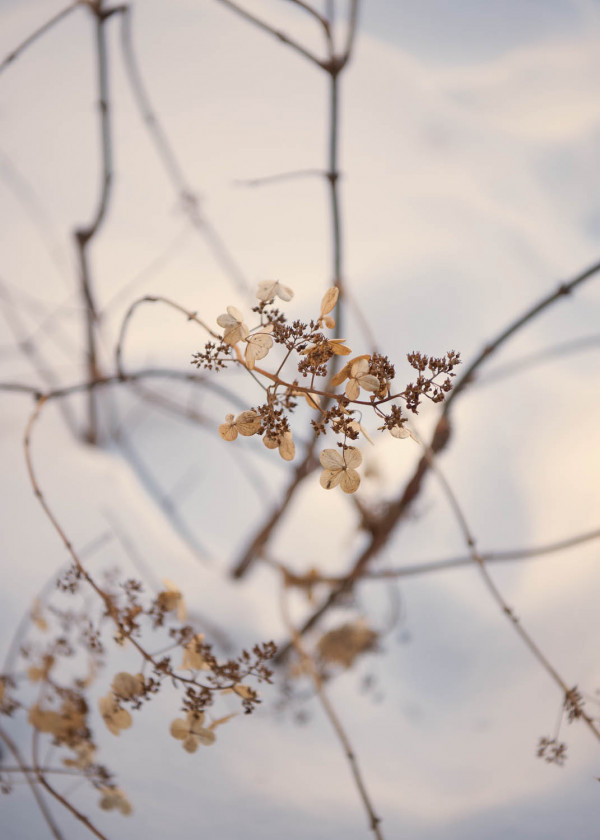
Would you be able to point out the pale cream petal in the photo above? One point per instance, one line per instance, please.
(399, 432)
(287, 450)
(226, 321)
(266, 290)
(352, 457)
(331, 459)
(352, 389)
(369, 382)
(284, 292)
(235, 313)
(206, 737)
(330, 478)
(349, 481)
(329, 300)
(359, 367)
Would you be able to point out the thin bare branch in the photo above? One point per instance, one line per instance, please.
(281, 36)
(506, 610)
(279, 177)
(31, 39)
(311, 668)
(31, 780)
(190, 201)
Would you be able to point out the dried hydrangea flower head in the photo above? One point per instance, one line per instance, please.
(115, 717)
(192, 731)
(285, 444)
(303, 344)
(113, 798)
(340, 468)
(233, 324)
(258, 345)
(247, 424)
(269, 289)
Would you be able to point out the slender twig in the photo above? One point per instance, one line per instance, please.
(191, 316)
(313, 671)
(506, 610)
(333, 66)
(281, 36)
(488, 557)
(280, 176)
(190, 201)
(31, 780)
(84, 235)
(31, 39)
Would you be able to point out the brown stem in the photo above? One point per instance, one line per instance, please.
(31, 779)
(311, 667)
(85, 235)
(37, 34)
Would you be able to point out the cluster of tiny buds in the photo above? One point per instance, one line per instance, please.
(337, 398)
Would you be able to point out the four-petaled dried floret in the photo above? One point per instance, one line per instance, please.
(192, 731)
(127, 686)
(113, 715)
(171, 600)
(286, 446)
(339, 468)
(247, 423)
(192, 655)
(114, 798)
(258, 345)
(233, 324)
(268, 289)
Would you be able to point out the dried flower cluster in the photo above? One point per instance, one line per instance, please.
(59, 708)
(363, 382)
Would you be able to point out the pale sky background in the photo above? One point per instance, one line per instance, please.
(469, 150)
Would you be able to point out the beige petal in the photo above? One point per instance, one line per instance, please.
(352, 457)
(227, 429)
(329, 300)
(331, 459)
(270, 442)
(342, 374)
(352, 389)
(248, 423)
(127, 685)
(190, 744)
(399, 432)
(338, 348)
(359, 367)
(329, 322)
(369, 382)
(349, 481)
(284, 292)
(287, 450)
(206, 737)
(267, 290)
(179, 729)
(330, 478)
